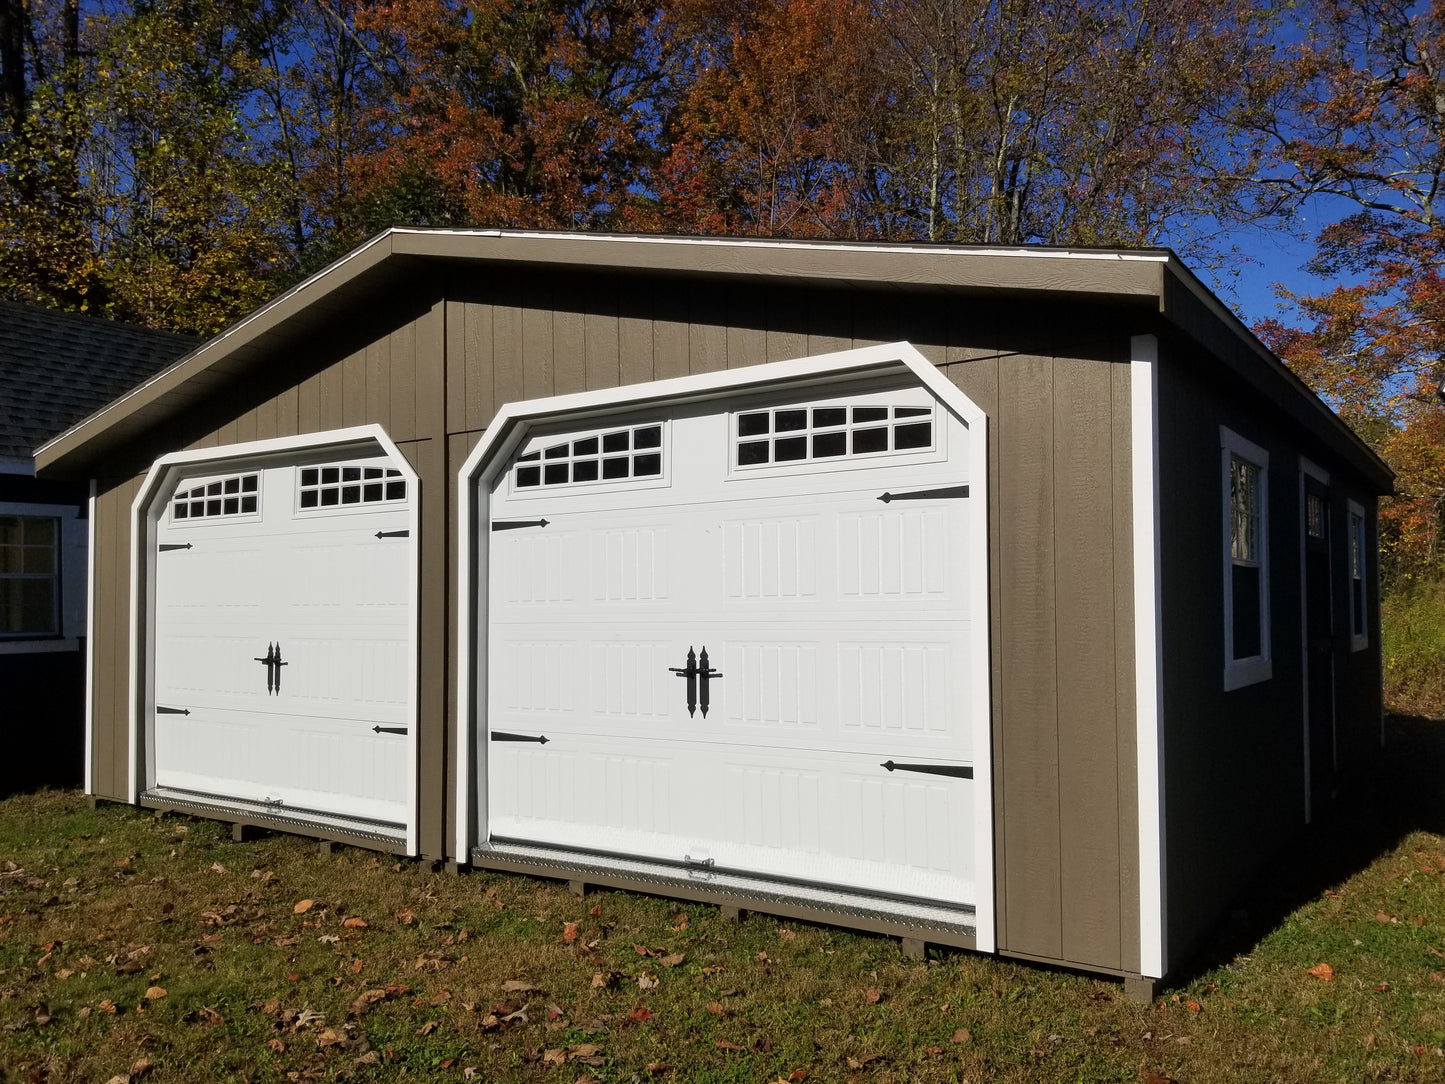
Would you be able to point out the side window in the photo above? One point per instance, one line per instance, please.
(1359, 566)
(29, 576)
(1246, 561)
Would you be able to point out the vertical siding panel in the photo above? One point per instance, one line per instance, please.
(570, 331)
(747, 334)
(121, 687)
(603, 349)
(1084, 598)
(107, 586)
(670, 331)
(246, 426)
(377, 387)
(407, 381)
(1124, 656)
(227, 433)
(478, 362)
(353, 390)
(539, 375)
(288, 409)
(455, 318)
(308, 405)
(331, 401)
(428, 372)
(786, 336)
(707, 341)
(1027, 726)
(266, 424)
(829, 322)
(507, 357)
(634, 349)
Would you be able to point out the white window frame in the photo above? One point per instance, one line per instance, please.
(70, 575)
(1256, 668)
(1356, 567)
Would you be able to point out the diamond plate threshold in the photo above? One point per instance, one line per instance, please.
(286, 818)
(954, 924)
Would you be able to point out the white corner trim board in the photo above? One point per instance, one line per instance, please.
(1148, 654)
(90, 644)
(512, 425)
(150, 505)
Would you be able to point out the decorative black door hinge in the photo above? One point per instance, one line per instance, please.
(517, 524)
(172, 711)
(388, 730)
(540, 739)
(925, 494)
(166, 547)
(273, 663)
(393, 534)
(698, 673)
(957, 771)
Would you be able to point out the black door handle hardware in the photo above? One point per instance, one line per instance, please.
(388, 730)
(957, 771)
(540, 739)
(698, 673)
(925, 494)
(172, 711)
(516, 524)
(167, 547)
(273, 663)
(393, 534)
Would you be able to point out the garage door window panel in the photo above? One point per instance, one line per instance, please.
(611, 455)
(233, 497)
(828, 433)
(345, 485)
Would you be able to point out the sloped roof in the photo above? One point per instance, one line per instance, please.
(1152, 278)
(59, 367)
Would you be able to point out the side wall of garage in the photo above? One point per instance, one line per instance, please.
(1054, 380)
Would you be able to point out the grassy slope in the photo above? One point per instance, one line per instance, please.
(99, 906)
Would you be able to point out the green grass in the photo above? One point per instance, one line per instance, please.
(98, 906)
(1413, 632)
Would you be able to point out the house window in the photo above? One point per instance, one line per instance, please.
(1246, 561)
(29, 576)
(1359, 628)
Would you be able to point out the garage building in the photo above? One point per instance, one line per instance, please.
(1014, 599)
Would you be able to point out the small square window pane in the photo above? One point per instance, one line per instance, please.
(648, 437)
(829, 416)
(233, 505)
(396, 491)
(350, 494)
(869, 414)
(248, 503)
(911, 411)
(616, 442)
(790, 449)
(615, 468)
(826, 445)
(752, 425)
(12, 530)
(28, 606)
(790, 421)
(558, 451)
(913, 435)
(181, 511)
(372, 472)
(309, 476)
(198, 508)
(308, 498)
(584, 470)
(585, 447)
(351, 474)
(213, 508)
(330, 497)
(528, 476)
(866, 441)
(12, 559)
(233, 485)
(648, 465)
(213, 489)
(371, 491)
(555, 474)
(39, 530)
(330, 474)
(248, 484)
(39, 559)
(752, 452)
(530, 457)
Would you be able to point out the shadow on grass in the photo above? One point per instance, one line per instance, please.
(1403, 792)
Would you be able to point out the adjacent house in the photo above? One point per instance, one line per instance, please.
(55, 368)
(1009, 598)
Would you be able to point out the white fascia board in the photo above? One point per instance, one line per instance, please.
(509, 427)
(145, 513)
(1148, 654)
(90, 645)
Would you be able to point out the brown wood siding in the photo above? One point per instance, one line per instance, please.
(110, 639)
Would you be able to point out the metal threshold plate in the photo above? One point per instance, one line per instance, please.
(577, 864)
(287, 818)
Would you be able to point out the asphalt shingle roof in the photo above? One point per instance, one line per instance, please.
(59, 367)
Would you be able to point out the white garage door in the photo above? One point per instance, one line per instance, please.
(812, 546)
(282, 623)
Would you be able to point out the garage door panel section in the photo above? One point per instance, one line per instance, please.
(283, 630)
(814, 547)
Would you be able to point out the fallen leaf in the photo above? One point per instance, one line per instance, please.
(429, 1027)
(872, 996)
(330, 1037)
(216, 867)
(371, 1057)
(329, 938)
(641, 950)
(406, 918)
(796, 1075)
(1381, 916)
(64, 973)
(366, 1000)
(596, 911)
(517, 986)
(639, 1015)
(1383, 988)
(356, 967)
(679, 922)
(1193, 1006)
(1322, 971)
(672, 960)
(302, 907)
(569, 932)
(933, 1051)
(723, 1044)
(293, 976)
(140, 1067)
(646, 981)
(441, 997)
(962, 1035)
(715, 1007)
(859, 1063)
(787, 934)
(603, 979)
(555, 1057)
(155, 992)
(354, 923)
(656, 1068)
(1155, 1078)
(277, 1045)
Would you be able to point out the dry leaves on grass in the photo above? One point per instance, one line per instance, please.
(354, 923)
(1322, 971)
(862, 1063)
(302, 906)
(962, 1035)
(646, 981)
(154, 993)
